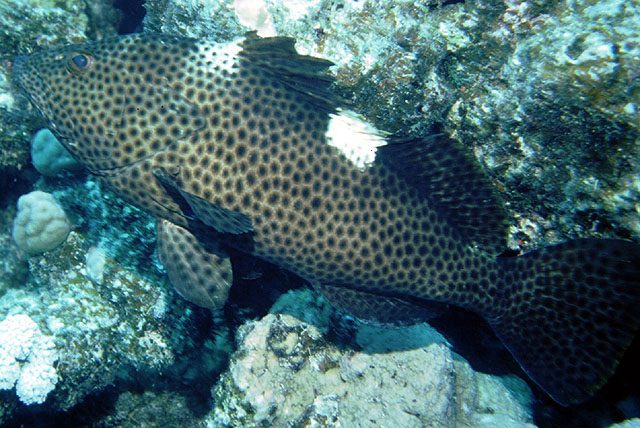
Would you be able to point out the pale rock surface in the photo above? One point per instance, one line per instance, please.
(287, 373)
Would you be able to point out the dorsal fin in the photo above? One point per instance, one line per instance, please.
(305, 74)
(449, 176)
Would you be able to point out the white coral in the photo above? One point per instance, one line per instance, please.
(26, 359)
(40, 224)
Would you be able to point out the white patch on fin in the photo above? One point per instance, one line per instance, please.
(356, 138)
(222, 55)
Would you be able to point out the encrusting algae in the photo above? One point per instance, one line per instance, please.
(233, 147)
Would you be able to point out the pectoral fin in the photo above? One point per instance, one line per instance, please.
(199, 271)
(221, 219)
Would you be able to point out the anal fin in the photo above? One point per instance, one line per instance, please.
(378, 309)
(199, 271)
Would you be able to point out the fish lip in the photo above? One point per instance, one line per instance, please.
(18, 67)
(19, 61)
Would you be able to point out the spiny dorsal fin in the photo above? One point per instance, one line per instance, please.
(449, 176)
(305, 74)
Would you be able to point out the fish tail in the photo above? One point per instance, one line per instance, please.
(568, 312)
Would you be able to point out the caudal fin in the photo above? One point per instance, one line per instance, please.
(569, 313)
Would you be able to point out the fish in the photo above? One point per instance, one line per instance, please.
(244, 146)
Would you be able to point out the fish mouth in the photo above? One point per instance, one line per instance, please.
(19, 63)
(28, 85)
(20, 69)
(27, 80)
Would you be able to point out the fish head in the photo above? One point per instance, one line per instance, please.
(115, 102)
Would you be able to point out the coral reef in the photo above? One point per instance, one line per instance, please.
(99, 330)
(103, 18)
(545, 92)
(103, 331)
(110, 319)
(153, 410)
(27, 25)
(194, 18)
(13, 267)
(547, 124)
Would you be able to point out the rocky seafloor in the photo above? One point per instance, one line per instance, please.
(545, 92)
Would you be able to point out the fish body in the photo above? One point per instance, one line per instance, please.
(240, 138)
(243, 145)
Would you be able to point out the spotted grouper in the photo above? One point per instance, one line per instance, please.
(242, 146)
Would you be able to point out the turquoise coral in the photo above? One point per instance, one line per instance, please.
(49, 156)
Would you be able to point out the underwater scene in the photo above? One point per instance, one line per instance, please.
(319, 213)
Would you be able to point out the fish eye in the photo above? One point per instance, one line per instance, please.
(79, 62)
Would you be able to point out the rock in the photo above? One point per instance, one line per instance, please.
(157, 410)
(123, 326)
(630, 423)
(13, 266)
(286, 372)
(198, 18)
